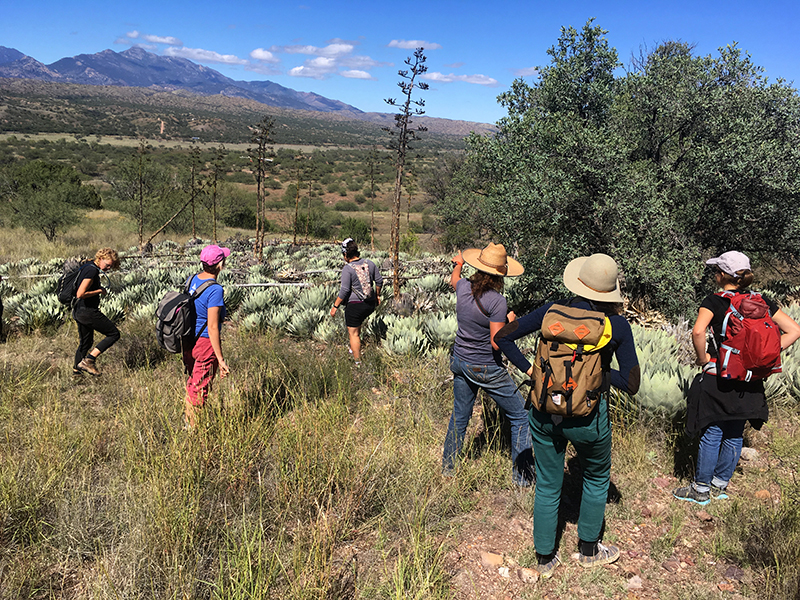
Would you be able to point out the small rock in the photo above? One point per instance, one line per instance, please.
(749, 454)
(528, 575)
(662, 482)
(490, 560)
(671, 566)
(634, 583)
(726, 587)
(734, 573)
(763, 495)
(646, 512)
(632, 572)
(703, 516)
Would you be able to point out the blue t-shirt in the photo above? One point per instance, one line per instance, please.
(212, 296)
(473, 342)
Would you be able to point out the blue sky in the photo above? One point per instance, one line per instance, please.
(351, 51)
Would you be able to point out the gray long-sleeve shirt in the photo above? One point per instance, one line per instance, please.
(350, 280)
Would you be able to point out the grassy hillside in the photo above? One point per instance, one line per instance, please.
(309, 478)
(28, 106)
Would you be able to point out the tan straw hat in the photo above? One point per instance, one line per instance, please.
(594, 278)
(493, 260)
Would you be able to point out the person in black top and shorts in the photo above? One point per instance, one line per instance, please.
(358, 293)
(87, 312)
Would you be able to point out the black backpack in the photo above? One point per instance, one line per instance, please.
(177, 318)
(68, 282)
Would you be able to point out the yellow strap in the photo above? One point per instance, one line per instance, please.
(604, 339)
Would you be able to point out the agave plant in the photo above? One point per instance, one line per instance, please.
(233, 297)
(278, 317)
(328, 331)
(662, 392)
(114, 308)
(303, 323)
(144, 312)
(257, 301)
(44, 286)
(441, 329)
(257, 321)
(318, 298)
(406, 342)
(39, 312)
(432, 284)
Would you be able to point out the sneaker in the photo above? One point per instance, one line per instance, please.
(546, 570)
(605, 556)
(690, 494)
(89, 366)
(717, 493)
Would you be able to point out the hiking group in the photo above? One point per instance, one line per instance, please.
(570, 377)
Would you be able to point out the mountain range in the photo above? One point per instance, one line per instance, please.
(136, 67)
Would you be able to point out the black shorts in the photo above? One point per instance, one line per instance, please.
(356, 312)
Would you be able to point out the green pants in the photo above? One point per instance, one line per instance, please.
(591, 437)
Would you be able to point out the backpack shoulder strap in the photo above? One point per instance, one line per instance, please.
(480, 307)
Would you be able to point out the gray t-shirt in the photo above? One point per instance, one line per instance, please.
(473, 344)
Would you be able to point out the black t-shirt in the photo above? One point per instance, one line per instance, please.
(718, 305)
(90, 271)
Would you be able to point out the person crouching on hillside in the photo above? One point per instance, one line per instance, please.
(718, 404)
(204, 358)
(356, 291)
(87, 312)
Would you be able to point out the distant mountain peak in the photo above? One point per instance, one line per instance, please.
(136, 67)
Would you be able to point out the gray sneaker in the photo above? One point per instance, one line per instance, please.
(717, 493)
(690, 494)
(605, 556)
(546, 570)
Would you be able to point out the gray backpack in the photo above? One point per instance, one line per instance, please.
(177, 318)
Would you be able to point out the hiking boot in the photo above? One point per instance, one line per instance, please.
(605, 556)
(717, 493)
(90, 366)
(546, 569)
(690, 494)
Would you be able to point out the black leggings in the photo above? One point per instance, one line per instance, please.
(90, 320)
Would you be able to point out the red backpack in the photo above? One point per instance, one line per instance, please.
(751, 341)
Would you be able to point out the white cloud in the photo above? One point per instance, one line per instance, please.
(474, 79)
(262, 68)
(264, 56)
(201, 55)
(355, 74)
(335, 49)
(168, 40)
(362, 62)
(456, 65)
(413, 44)
(133, 34)
(525, 72)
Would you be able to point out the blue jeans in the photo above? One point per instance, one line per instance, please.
(720, 448)
(495, 380)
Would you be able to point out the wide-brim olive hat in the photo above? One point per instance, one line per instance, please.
(594, 277)
(493, 260)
